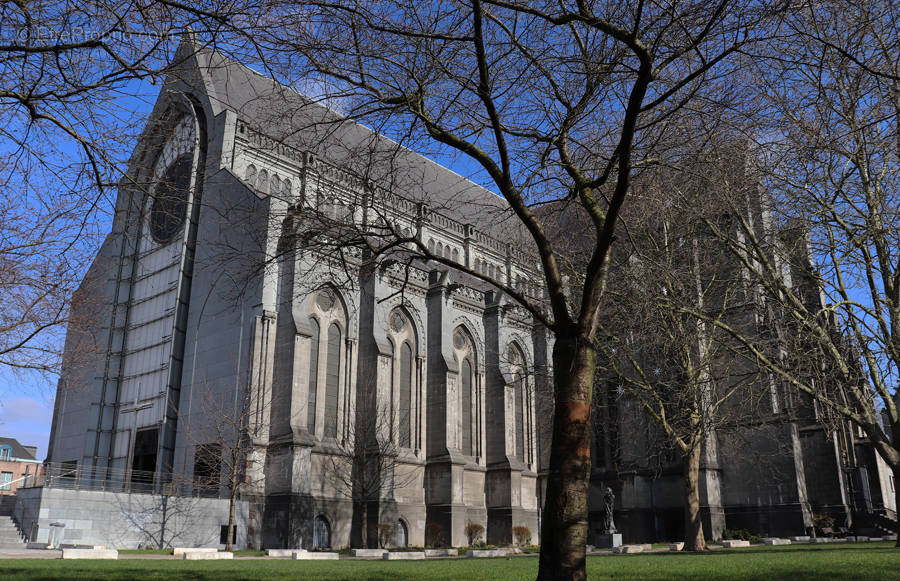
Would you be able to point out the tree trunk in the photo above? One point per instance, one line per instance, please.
(232, 501)
(896, 471)
(564, 524)
(693, 525)
(364, 509)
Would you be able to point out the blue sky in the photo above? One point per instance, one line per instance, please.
(26, 398)
(26, 408)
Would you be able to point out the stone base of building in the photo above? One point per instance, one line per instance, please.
(121, 520)
(776, 520)
(502, 520)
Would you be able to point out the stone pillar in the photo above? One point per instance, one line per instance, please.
(260, 376)
(444, 478)
(503, 469)
(711, 510)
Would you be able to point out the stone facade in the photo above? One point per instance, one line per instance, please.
(320, 348)
(204, 292)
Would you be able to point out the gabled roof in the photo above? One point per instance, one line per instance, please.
(18, 450)
(290, 118)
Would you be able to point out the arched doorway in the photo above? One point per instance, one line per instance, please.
(321, 533)
(402, 534)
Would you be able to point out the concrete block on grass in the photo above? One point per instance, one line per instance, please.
(441, 553)
(179, 551)
(628, 549)
(376, 553)
(679, 546)
(403, 555)
(207, 556)
(90, 554)
(801, 539)
(735, 543)
(486, 553)
(314, 556)
(281, 552)
(775, 541)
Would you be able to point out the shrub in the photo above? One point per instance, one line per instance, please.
(434, 536)
(521, 535)
(738, 534)
(822, 521)
(473, 532)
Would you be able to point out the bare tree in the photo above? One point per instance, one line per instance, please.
(221, 431)
(74, 84)
(683, 371)
(828, 263)
(367, 467)
(549, 102)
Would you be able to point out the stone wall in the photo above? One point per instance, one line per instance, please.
(127, 521)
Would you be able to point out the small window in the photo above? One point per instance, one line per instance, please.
(223, 535)
(6, 480)
(5, 453)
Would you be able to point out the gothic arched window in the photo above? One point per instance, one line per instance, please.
(517, 374)
(328, 319)
(250, 176)
(464, 350)
(466, 405)
(313, 377)
(332, 377)
(406, 371)
(262, 183)
(404, 380)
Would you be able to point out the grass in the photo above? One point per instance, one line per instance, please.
(871, 561)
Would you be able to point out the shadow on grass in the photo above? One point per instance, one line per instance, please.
(800, 563)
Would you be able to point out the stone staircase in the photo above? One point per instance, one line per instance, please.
(10, 537)
(885, 522)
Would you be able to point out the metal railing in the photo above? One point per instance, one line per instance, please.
(76, 477)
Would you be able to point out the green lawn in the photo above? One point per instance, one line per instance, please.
(875, 561)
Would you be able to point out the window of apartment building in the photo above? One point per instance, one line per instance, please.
(5, 452)
(6, 480)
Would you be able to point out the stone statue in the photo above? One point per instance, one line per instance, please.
(609, 500)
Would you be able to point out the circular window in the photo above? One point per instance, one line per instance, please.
(398, 322)
(459, 339)
(167, 214)
(325, 299)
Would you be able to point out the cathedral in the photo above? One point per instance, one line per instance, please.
(195, 298)
(393, 401)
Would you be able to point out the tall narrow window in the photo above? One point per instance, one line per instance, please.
(517, 371)
(466, 385)
(405, 394)
(520, 417)
(332, 375)
(313, 377)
